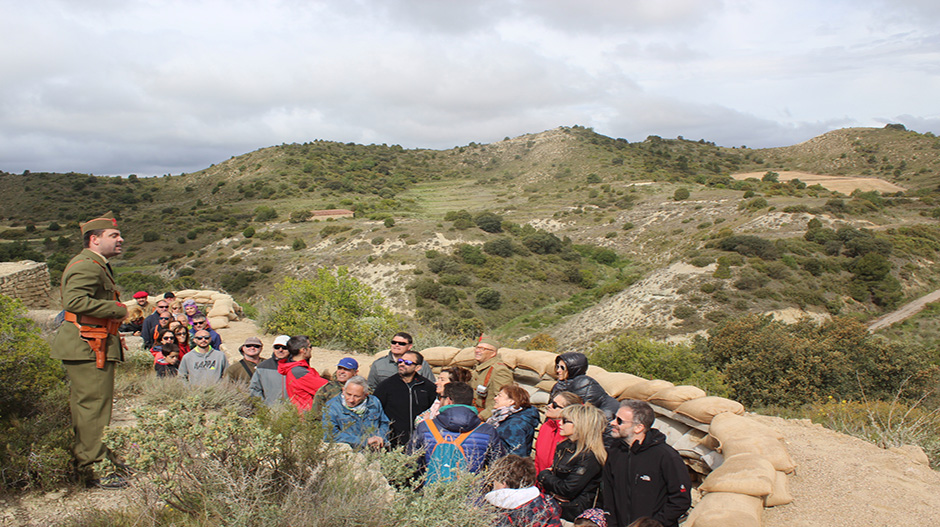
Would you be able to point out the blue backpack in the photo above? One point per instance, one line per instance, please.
(447, 456)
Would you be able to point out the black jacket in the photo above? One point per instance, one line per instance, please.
(582, 385)
(573, 480)
(403, 402)
(646, 479)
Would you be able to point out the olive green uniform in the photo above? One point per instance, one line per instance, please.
(501, 376)
(88, 288)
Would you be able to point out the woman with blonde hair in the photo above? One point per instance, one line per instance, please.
(548, 434)
(575, 477)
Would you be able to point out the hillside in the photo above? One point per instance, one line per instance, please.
(572, 233)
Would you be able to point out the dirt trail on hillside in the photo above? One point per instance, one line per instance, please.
(840, 481)
(904, 312)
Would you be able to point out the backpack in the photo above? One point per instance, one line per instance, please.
(447, 456)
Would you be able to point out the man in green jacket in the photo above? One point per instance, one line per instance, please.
(89, 346)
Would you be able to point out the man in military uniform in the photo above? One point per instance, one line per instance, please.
(89, 346)
(489, 375)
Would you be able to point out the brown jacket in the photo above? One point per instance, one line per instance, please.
(501, 376)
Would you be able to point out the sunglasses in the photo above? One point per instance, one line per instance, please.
(161, 307)
(561, 366)
(620, 421)
(566, 421)
(169, 337)
(164, 318)
(555, 405)
(399, 343)
(199, 323)
(279, 347)
(201, 338)
(251, 346)
(406, 362)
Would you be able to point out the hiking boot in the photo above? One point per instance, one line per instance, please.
(109, 482)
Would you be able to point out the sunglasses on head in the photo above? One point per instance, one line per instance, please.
(399, 343)
(406, 362)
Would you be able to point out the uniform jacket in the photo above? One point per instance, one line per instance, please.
(500, 377)
(582, 385)
(646, 479)
(481, 447)
(268, 383)
(88, 288)
(301, 382)
(237, 372)
(384, 367)
(518, 430)
(329, 390)
(342, 425)
(573, 480)
(403, 402)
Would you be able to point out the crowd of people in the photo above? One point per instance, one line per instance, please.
(593, 461)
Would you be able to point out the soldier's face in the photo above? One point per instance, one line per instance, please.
(108, 244)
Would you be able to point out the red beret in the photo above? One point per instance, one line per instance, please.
(140, 294)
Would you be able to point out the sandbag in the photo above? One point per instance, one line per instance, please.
(232, 316)
(671, 398)
(380, 354)
(546, 386)
(771, 449)
(439, 355)
(221, 308)
(539, 398)
(727, 424)
(185, 293)
(780, 495)
(704, 409)
(642, 391)
(593, 371)
(726, 509)
(748, 474)
(218, 322)
(526, 377)
(510, 356)
(541, 362)
(464, 358)
(614, 383)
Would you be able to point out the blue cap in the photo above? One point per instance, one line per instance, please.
(349, 363)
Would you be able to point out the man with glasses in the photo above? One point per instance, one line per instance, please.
(387, 366)
(267, 383)
(152, 321)
(489, 375)
(643, 476)
(204, 364)
(405, 396)
(201, 323)
(242, 370)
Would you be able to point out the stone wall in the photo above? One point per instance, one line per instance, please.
(28, 281)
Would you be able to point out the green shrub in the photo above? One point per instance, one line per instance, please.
(470, 254)
(681, 193)
(151, 236)
(542, 342)
(543, 242)
(248, 232)
(137, 281)
(298, 245)
(333, 306)
(771, 363)
(748, 245)
(489, 222)
(684, 312)
(378, 240)
(34, 415)
(488, 298)
(677, 363)
(389, 222)
(499, 247)
(265, 213)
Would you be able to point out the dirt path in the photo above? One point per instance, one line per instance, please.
(904, 312)
(844, 481)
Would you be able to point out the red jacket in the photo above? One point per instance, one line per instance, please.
(548, 438)
(301, 383)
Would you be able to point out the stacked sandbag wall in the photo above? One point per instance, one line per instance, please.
(756, 462)
(220, 308)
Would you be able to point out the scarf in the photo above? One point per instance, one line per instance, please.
(358, 410)
(500, 414)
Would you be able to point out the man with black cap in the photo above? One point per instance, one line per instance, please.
(242, 370)
(88, 345)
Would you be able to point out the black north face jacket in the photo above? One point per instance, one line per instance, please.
(645, 479)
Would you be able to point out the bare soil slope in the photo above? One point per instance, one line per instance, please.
(845, 185)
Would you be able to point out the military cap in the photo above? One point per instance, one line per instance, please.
(104, 222)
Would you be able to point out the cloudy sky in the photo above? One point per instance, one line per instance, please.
(167, 86)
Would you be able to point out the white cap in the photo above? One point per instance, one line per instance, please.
(281, 340)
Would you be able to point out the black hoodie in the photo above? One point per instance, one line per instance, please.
(645, 479)
(582, 385)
